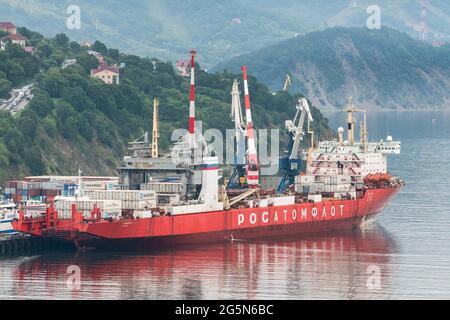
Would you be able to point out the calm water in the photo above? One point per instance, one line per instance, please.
(410, 247)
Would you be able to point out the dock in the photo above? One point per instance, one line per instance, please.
(20, 245)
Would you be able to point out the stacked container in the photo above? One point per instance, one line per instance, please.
(131, 199)
(108, 208)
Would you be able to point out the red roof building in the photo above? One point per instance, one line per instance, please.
(108, 74)
(8, 27)
(14, 38)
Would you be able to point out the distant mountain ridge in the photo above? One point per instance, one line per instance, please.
(381, 69)
(220, 30)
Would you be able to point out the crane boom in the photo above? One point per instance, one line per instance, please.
(238, 178)
(287, 83)
(297, 128)
(239, 125)
(290, 164)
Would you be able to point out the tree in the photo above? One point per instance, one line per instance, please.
(61, 39)
(33, 159)
(15, 72)
(100, 48)
(5, 88)
(28, 126)
(74, 47)
(88, 62)
(70, 129)
(44, 50)
(52, 83)
(41, 103)
(114, 54)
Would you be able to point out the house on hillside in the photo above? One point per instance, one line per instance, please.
(8, 27)
(108, 74)
(183, 68)
(15, 38)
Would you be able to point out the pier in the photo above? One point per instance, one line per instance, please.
(21, 245)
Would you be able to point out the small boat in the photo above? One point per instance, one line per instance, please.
(8, 214)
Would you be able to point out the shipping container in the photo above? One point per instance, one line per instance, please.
(162, 187)
(108, 208)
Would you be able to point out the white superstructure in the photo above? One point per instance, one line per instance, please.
(339, 166)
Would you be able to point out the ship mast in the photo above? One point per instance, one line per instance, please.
(192, 103)
(155, 135)
(350, 109)
(252, 155)
(350, 121)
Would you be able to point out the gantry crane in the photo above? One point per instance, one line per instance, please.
(290, 164)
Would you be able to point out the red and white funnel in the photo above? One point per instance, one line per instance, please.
(192, 102)
(252, 167)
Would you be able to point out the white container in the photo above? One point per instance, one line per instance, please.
(142, 214)
(262, 203)
(315, 198)
(283, 201)
(306, 179)
(108, 208)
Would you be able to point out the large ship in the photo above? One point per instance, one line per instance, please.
(180, 197)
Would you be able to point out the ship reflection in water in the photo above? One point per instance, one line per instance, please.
(351, 265)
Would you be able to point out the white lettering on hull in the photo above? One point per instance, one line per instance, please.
(265, 217)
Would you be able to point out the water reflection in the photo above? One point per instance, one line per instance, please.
(314, 267)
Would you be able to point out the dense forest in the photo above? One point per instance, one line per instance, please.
(78, 121)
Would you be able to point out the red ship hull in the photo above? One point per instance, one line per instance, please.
(233, 224)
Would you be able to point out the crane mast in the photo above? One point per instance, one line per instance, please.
(287, 83)
(290, 164)
(238, 179)
(155, 133)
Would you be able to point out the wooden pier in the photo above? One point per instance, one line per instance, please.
(20, 245)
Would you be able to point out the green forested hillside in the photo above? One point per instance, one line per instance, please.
(380, 68)
(77, 121)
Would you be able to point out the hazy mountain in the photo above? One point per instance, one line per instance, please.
(380, 68)
(218, 29)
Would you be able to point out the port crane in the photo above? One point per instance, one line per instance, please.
(287, 83)
(290, 164)
(238, 179)
(246, 167)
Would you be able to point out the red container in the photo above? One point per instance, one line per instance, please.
(17, 198)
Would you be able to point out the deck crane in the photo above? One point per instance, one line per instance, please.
(287, 83)
(252, 165)
(238, 179)
(290, 164)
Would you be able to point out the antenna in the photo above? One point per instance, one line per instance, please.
(423, 25)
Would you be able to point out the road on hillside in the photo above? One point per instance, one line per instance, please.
(19, 99)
